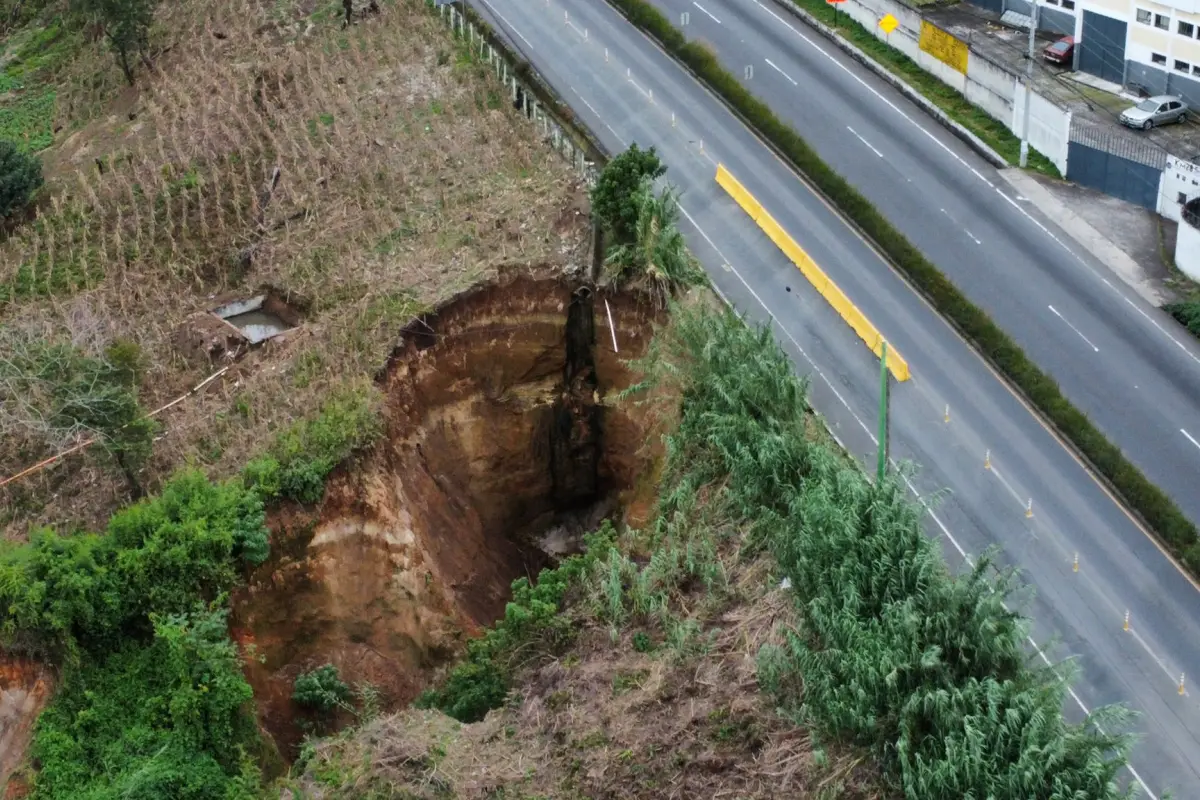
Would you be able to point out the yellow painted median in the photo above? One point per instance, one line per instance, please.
(820, 281)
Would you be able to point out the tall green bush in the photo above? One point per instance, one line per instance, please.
(171, 719)
(614, 198)
(87, 594)
(20, 177)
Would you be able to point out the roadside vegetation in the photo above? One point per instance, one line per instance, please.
(1161, 515)
(873, 648)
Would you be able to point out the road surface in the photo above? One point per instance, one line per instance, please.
(627, 90)
(1128, 366)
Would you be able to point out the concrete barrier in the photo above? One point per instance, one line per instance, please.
(812, 273)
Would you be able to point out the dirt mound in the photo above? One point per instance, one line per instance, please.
(502, 446)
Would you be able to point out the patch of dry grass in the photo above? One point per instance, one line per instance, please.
(403, 176)
(607, 720)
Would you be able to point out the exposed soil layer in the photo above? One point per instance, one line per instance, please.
(503, 443)
(25, 688)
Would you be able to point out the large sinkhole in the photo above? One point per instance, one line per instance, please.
(505, 443)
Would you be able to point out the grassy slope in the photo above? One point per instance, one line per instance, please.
(403, 178)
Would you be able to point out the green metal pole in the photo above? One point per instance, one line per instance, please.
(883, 405)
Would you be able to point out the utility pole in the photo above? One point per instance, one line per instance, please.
(1033, 21)
(883, 409)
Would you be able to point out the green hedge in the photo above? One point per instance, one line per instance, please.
(1158, 511)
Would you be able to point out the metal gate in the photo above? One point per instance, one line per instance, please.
(1102, 47)
(1114, 163)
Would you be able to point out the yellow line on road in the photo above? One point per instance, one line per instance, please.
(809, 269)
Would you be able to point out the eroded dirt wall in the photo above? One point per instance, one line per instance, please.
(496, 423)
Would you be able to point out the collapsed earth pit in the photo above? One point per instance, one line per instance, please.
(503, 444)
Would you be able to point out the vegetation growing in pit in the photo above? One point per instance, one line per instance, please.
(890, 653)
(20, 177)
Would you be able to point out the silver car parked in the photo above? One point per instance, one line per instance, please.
(1160, 110)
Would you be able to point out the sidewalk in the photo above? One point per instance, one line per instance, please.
(1132, 243)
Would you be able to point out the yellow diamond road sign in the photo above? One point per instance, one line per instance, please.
(889, 23)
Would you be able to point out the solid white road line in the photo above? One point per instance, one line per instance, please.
(1054, 311)
(706, 11)
(864, 141)
(781, 72)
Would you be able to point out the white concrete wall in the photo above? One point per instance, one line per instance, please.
(1179, 178)
(1187, 251)
(988, 85)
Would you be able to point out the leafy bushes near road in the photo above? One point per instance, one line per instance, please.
(1186, 314)
(927, 669)
(153, 702)
(615, 195)
(302, 457)
(1151, 503)
(20, 177)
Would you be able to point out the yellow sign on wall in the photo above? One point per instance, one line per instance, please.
(944, 47)
(889, 23)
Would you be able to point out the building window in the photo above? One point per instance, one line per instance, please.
(1158, 58)
(1196, 69)
(1182, 66)
(1068, 4)
(1052, 2)
(1162, 22)
(1143, 16)
(1182, 198)
(1185, 28)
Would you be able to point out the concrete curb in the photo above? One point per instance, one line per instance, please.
(971, 140)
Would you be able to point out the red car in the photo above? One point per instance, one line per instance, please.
(1061, 52)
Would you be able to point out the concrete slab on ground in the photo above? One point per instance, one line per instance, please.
(1127, 238)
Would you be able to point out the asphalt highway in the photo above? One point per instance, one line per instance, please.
(626, 90)
(1120, 360)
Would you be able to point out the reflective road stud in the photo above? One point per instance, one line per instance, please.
(1075, 566)
(1126, 620)
(1029, 508)
(947, 414)
(987, 459)
(1181, 689)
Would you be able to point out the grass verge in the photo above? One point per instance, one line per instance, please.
(989, 129)
(1152, 505)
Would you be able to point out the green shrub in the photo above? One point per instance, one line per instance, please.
(321, 689)
(927, 669)
(302, 457)
(1187, 314)
(158, 557)
(614, 198)
(1153, 505)
(20, 177)
(168, 720)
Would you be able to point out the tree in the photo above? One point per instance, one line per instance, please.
(53, 391)
(127, 28)
(657, 251)
(614, 201)
(20, 177)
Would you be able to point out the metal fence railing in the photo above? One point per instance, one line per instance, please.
(551, 129)
(1118, 143)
